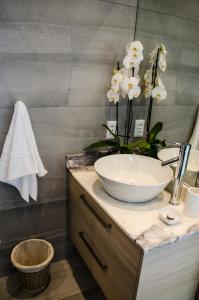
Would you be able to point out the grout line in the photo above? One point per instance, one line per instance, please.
(49, 235)
(167, 14)
(116, 3)
(4, 208)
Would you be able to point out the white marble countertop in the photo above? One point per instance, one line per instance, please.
(140, 222)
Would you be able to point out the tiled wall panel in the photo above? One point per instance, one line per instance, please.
(175, 24)
(57, 58)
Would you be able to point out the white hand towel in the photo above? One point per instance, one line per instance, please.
(194, 141)
(20, 161)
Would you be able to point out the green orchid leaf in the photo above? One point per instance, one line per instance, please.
(154, 131)
(137, 146)
(159, 142)
(124, 149)
(140, 144)
(162, 143)
(104, 143)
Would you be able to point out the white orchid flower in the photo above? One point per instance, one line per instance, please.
(128, 72)
(147, 91)
(136, 56)
(134, 46)
(129, 62)
(148, 77)
(147, 83)
(162, 62)
(137, 76)
(117, 78)
(115, 87)
(159, 82)
(124, 72)
(163, 49)
(128, 83)
(159, 93)
(113, 96)
(136, 69)
(134, 93)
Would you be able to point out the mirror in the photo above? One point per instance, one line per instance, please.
(175, 24)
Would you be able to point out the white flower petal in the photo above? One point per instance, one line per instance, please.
(158, 81)
(136, 69)
(136, 56)
(135, 46)
(138, 77)
(129, 62)
(159, 93)
(115, 87)
(112, 96)
(147, 92)
(162, 62)
(124, 72)
(134, 93)
(148, 76)
(130, 95)
(117, 78)
(163, 49)
(124, 85)
(128, 83)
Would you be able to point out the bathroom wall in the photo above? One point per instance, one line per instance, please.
(57, 57)
(176, 24)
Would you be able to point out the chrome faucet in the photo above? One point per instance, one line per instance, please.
(182, 159)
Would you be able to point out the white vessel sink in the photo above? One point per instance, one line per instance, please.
(192, 167)
(132, 178)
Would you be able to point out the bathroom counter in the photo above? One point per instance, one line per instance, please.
(140, 222)
(127, 247)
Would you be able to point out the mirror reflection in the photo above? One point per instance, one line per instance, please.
(175, 24)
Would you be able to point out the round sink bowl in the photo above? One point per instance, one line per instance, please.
(132, 178)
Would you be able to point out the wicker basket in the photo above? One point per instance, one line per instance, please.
(32, 258)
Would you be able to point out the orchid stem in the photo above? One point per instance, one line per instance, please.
(154, 76)
(117, 113)
(129, 118)
(117, 108)
(126, 122)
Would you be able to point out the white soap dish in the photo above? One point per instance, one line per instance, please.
(170, 215)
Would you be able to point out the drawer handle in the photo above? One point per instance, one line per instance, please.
(102, 265)
(107, 226)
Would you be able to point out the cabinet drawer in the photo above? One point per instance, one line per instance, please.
(112, 258)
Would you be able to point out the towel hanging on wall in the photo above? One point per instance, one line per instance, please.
(194, 141)
(20, 161)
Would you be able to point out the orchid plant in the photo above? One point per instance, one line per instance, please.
(125, 83)
(153, 86)
(125, 80)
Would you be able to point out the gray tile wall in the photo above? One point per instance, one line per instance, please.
(176, 24)
(57, 57)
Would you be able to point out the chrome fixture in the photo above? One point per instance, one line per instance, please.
(182, 159)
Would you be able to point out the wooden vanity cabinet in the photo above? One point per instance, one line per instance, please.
(119, 265)
(111, 257)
